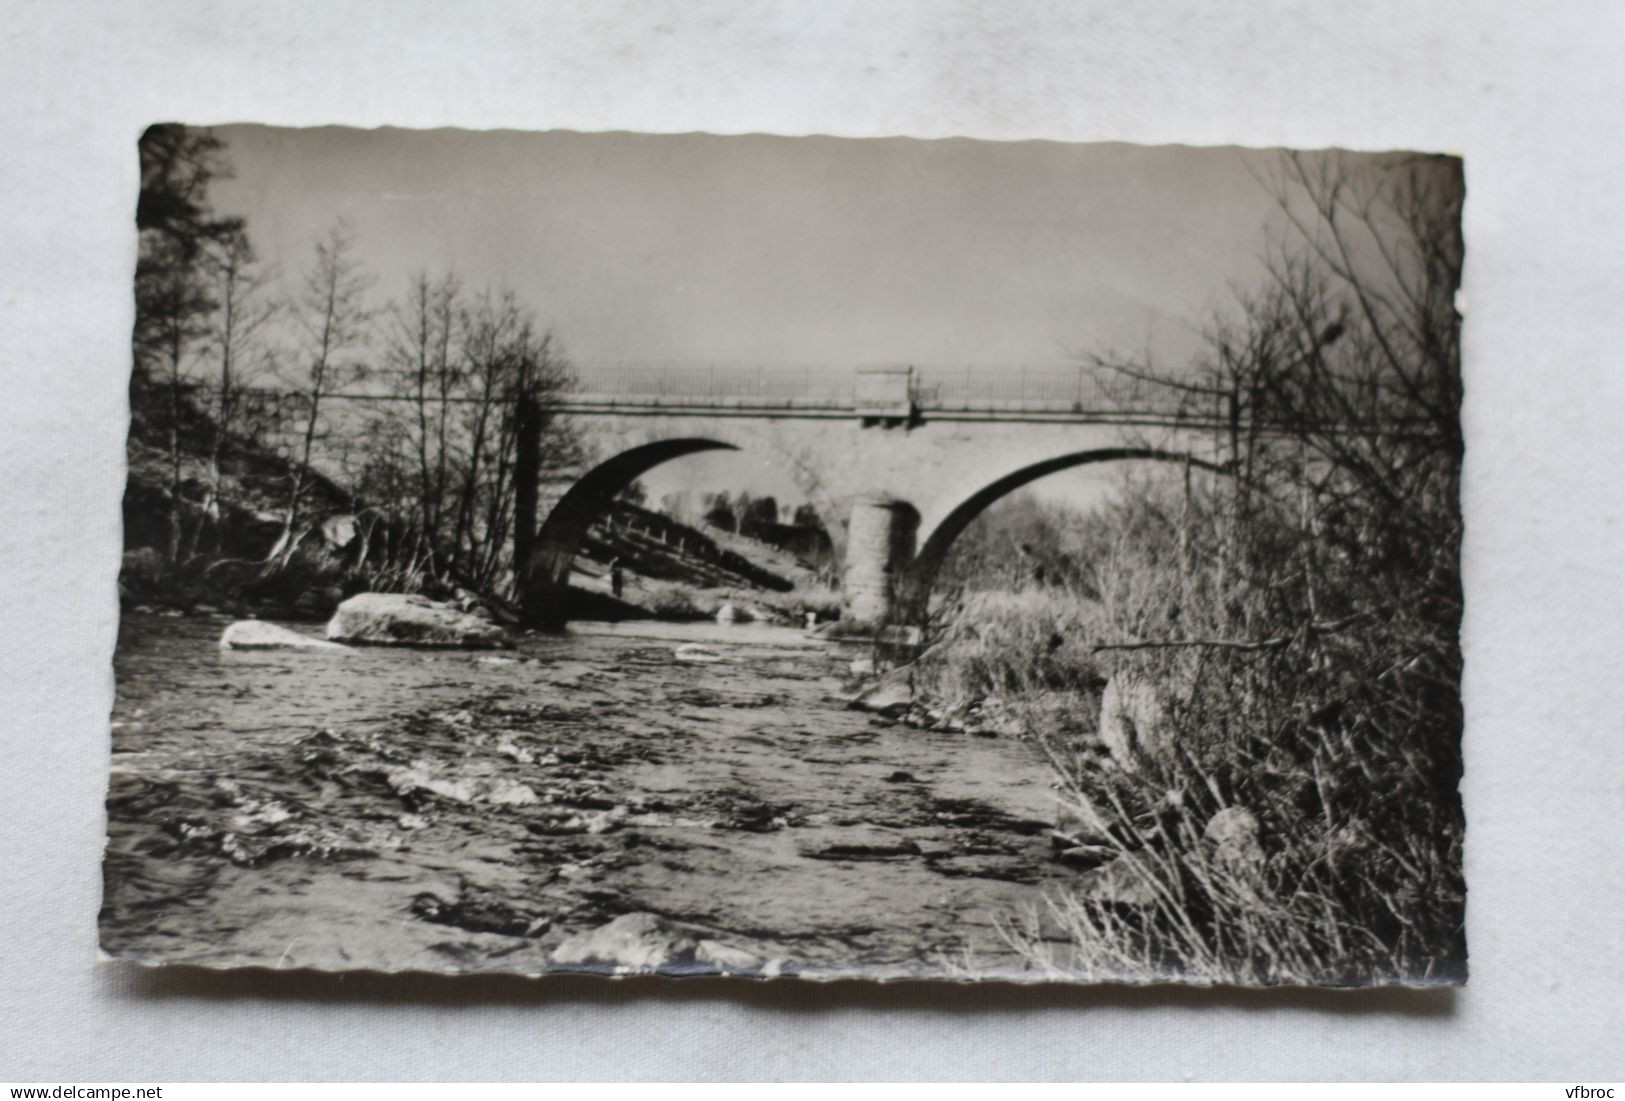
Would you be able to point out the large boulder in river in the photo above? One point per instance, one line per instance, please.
(634, 941)
(892, 694)
(645, 942)
(254, 634)
(404, 619)
(1135, 723)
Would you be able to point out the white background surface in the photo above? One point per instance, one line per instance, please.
(1533, 95)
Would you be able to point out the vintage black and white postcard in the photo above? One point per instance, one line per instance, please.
(790, 556)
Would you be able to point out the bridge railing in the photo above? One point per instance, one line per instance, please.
(821, 390)
(944, 389)
(1081, 389)
(703, 383)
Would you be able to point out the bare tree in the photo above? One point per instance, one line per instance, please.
(1316, 661)
(235, 353)
(504, 357)
(447, 458)
(332, 317)
(491, 328)
(1338, 382)
(173, 300)
(507, 358)
(422, 329)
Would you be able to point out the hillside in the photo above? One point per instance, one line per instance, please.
(678, 571)
(232, 511)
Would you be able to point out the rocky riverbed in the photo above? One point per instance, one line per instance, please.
(586, 802)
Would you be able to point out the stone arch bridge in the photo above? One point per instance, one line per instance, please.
(897, 461)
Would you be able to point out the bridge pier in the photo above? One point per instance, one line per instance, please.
(880, 539)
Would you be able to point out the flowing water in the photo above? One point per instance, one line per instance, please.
(448, 810)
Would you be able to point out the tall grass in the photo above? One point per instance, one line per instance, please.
(1297, 622)
(1340, 738)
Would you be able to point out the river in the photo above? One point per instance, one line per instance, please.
(458, 811)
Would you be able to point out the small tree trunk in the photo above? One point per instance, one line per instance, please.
(526, 471)
(1185, 546)
(172, 532)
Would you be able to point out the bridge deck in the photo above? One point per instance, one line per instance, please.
(1023, 394)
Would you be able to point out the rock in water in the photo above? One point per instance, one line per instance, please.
(1121, 881)
(1134, 721)
(855, 843)
(1088, 856)
(640, 941)
(694, 652)
(1233, 834)
(402, 619)
(1076, 824)
(725, 957)
(893, 694)
(253, 634)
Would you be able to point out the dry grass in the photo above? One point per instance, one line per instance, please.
(1342, 744)
(1012, 643)
(1359, 879)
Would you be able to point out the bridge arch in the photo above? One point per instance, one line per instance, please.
(546, 576)
(927, 562)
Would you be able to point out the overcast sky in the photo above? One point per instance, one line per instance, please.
(759, 249)
(783, 250)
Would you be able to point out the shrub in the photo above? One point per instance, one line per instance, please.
(1301, 615)
(1013, 643)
